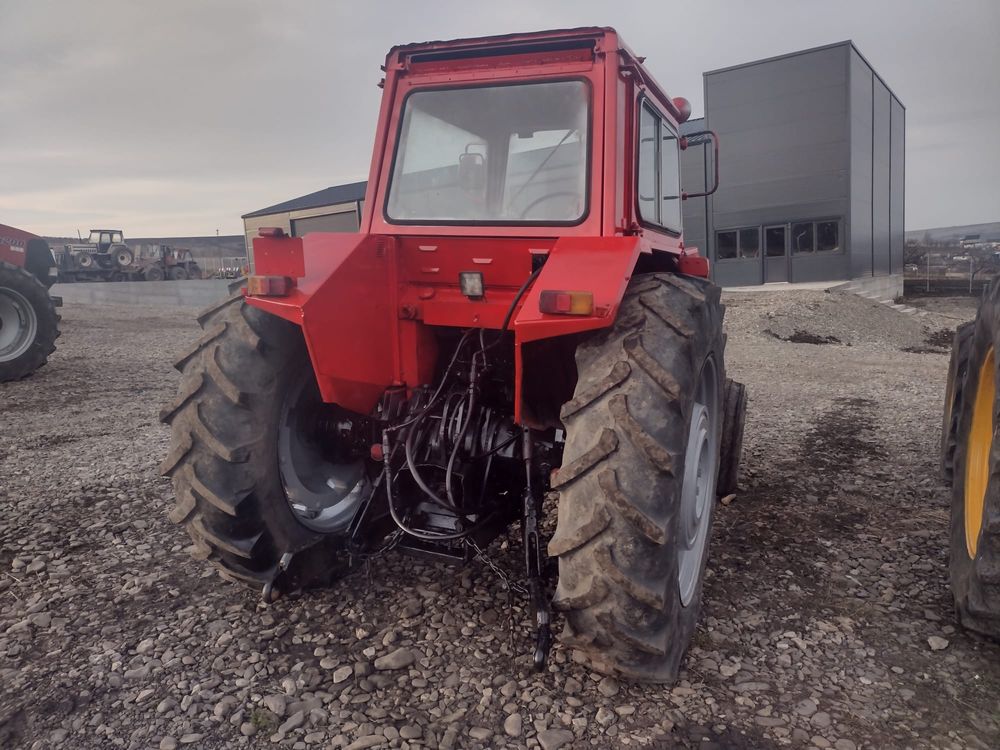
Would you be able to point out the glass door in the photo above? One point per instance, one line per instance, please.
(776, 253)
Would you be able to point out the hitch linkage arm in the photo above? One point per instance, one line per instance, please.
(533, 561)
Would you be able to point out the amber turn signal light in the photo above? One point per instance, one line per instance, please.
(566, 303)
(269, 286)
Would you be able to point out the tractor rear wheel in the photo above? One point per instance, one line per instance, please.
(153, 273)
(734, 419)
(637, 486)
(177, 273)
(255, 483)
(957, 373)
(974, 564)
(29, 325)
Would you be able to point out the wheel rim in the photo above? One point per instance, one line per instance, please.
(701, 469)
(980, 444)
(323, 487)
(18, 324)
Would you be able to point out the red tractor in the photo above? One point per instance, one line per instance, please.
(29, 325)
(518, 318)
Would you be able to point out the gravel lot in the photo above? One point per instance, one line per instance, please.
(827, 621)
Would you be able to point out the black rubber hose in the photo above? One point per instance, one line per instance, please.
(513, 306)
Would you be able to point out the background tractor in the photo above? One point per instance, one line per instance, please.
(163, 262)
(106, 257)
(29, 325)
(518, 318)
(971, 467)
(103, 257)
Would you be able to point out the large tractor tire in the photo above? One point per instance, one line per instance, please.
(153, 273)
(123, 257)
(263, 499)
(637, 487)
(974, 565)
(734, 418)
(29, 325)
(177, 273)
(957, 371)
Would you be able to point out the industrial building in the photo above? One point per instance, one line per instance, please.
(811, 164)
(811, 175)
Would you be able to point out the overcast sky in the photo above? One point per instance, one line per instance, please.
(176, 117)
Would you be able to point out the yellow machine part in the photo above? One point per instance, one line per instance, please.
(980, 445)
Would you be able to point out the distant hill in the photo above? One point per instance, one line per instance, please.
(224, 246)
(989, 232)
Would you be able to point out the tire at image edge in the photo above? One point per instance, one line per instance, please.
(975, 580)
(47, 328)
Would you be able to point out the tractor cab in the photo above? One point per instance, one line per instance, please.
(558, 134)
(105, 238)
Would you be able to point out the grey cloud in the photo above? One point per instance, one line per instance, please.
(175, 118)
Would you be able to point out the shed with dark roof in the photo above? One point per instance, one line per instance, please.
(333, 209)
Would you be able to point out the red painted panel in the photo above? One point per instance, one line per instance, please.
(344, 304)
(602, 265)
(13, 243)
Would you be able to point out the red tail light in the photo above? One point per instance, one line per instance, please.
(566, 303)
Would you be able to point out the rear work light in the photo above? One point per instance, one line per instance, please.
(269, 286)
(566, 303)
(471, 284)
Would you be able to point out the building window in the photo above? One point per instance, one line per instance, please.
(750, 242)
(658, 180)
(802, 237)
(827, 236)
(816, 237)
(726, 246)
(737, 243)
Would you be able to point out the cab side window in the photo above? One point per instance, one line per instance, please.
(658, 178)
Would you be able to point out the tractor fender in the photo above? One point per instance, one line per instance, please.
(599, 265)
(342, 301)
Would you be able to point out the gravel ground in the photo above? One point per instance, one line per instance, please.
(827, 618)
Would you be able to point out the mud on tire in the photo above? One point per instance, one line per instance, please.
(223, 457)
(627, 426)
(974, 564)
(19, 288)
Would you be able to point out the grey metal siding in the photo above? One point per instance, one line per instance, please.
(859, 230)
(897, 182)
(339, 222)
(785, 152)
(880, 177)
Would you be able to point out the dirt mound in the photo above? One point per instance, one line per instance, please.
(835, 318)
